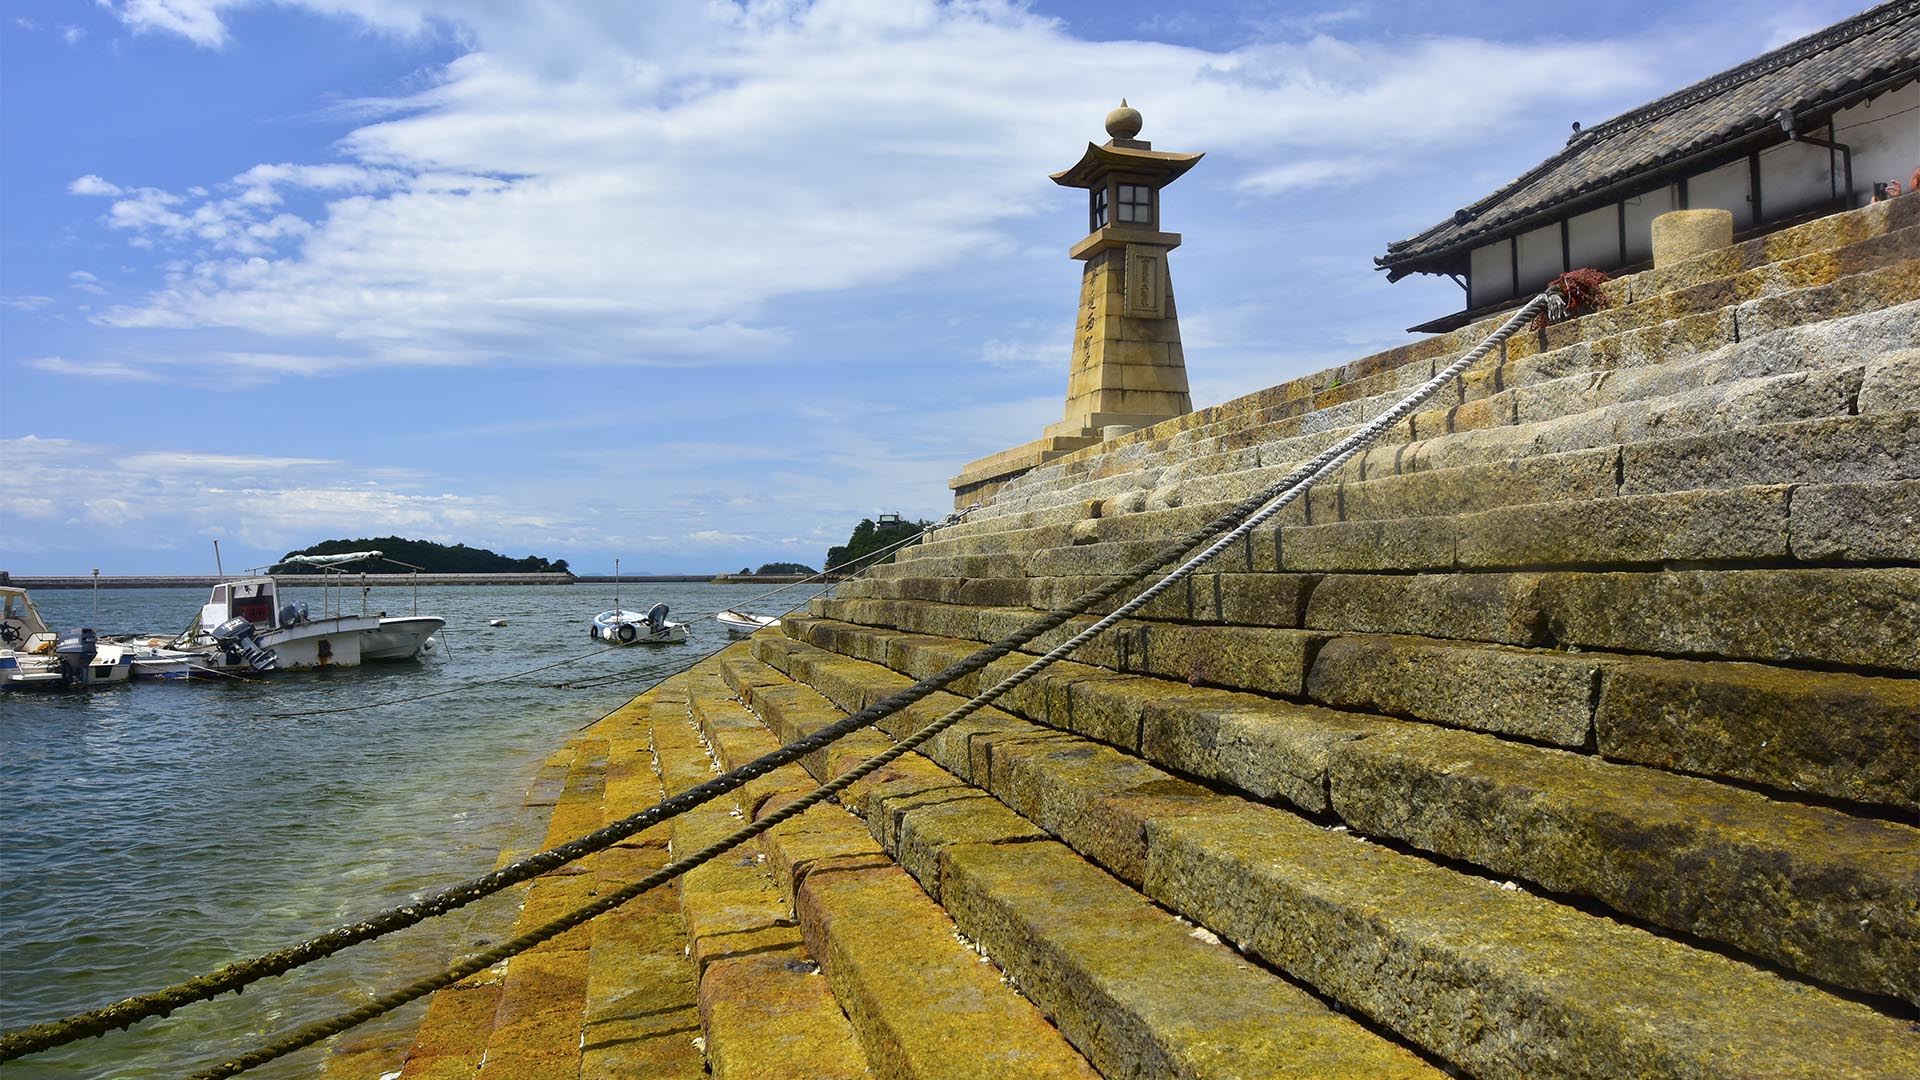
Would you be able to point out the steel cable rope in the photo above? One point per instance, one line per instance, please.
(435, 693)
(1267, 503)
(162, 1002)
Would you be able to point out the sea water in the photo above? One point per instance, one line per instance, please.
(154, 832)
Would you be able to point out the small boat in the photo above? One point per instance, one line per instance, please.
(243, 628)
(496, 622)
(33, 656)
(619, 627)
(744, 623)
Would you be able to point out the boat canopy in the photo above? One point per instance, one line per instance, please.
(331, 560)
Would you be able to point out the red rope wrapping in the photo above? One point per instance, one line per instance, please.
(1581, 291)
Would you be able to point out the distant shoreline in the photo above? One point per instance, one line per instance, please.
(205, 581)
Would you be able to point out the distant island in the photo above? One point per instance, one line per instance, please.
(428, 556)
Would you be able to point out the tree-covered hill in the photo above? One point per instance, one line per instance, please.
(868, 538)
(429, 556)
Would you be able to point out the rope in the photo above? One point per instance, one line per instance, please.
(1261, 507)
(438, 693)
(871, 559)
(1236, 522)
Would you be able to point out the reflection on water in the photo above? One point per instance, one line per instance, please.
(155, 832)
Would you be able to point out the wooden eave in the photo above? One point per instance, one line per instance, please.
(1100, 161)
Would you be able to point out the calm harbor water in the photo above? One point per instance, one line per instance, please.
(155, 832)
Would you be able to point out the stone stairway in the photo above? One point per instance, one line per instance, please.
(1572, 731)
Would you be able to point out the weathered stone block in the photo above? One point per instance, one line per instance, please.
(1501, 983)
(1863, 618)
(1824, 893)
(1848, 449)
(1413, 543)
(1542, 696)
(1502, 608)
(1845, 736)
(1892, 382)
(1748, 523)
(1856, 522)
(1135, 989)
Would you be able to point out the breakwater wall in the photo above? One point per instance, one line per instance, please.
(206, 581)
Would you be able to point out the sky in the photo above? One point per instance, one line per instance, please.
(694, 285)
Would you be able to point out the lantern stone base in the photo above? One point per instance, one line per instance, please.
(979, 480)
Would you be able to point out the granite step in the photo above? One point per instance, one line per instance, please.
(1725, 296)
(765, 1011)
(1826, 734)
(1422, 948)
(1760, 875)
(921, 1002)
(1137, 990)
(1866, 309)
(1796, 373)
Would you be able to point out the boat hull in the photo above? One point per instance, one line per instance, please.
(741, 623)
(399, 639)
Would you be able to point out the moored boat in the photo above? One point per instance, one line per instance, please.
(742, 622)
(621, 627)
(33, 656)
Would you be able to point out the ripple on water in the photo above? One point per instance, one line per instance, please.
(153, 833)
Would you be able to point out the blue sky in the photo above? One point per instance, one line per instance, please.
(696, 285)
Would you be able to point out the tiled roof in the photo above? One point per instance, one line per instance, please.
(1809, 76)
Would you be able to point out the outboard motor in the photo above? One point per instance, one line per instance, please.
(236, 640)
(657, 620)
(75, 652)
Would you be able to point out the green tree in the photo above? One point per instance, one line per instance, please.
(868, 538)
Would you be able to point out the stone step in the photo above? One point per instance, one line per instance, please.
(921, 1002)
(764, 1009)
(1532, 389)
(1776, 377)
(1619, 834)
(1138, 991)
(1874, 269)
(1859, 618)
(1421, 949)
(1827, 734)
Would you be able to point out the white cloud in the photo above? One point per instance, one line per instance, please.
(25, 303)
(196, 20)
(84, 282)
(93, 185)
(644, 185)
(96, 369)
(270, 503)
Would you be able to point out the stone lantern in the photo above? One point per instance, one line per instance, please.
(1127, 370)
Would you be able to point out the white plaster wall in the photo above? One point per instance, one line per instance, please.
(1641, 210)
(1593, 238)
(1885, 136)
(1490, 273)
(1724, 188)
(1793, 177)
(1540, 256)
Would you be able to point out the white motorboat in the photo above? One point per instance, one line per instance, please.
(621, 627)
(33, 656)
(244, 628)
(742, 622)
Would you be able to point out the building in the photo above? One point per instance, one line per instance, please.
(1799, 132)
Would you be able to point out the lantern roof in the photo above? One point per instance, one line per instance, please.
(1124, 153)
